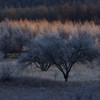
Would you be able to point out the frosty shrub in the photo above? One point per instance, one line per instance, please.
(6, 71)
(12, 39)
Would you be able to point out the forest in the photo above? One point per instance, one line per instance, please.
(30, 3)
(76, 12)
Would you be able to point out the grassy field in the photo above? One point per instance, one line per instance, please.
(33, 84)
(37, 89)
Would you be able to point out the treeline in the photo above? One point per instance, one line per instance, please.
(30, 3)
(62, 12)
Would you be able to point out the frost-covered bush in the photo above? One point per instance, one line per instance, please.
(12, 39)
(6, 71)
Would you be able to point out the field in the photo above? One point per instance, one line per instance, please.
(34, 89)
(33, 84)
(30, 83)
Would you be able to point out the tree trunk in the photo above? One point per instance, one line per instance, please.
(66, 77)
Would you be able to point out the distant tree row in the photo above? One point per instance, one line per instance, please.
(30, 3)
(64, 12)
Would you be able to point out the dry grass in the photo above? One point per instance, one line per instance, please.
(79, 72)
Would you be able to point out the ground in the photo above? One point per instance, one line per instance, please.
(33, 84)
(49, 90)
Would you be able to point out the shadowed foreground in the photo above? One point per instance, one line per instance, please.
(38, 89)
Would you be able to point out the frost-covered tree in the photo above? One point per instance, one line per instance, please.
(65, 53)
(53, 50)
(37, 53)
(81, 48)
